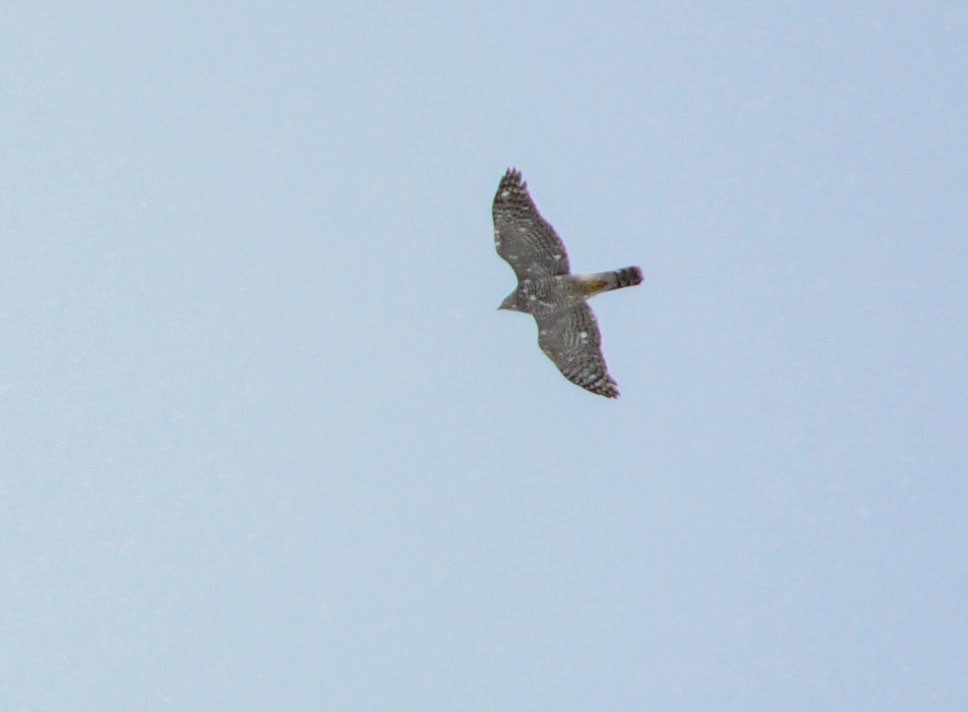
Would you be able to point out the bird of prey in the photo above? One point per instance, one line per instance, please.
(567, 329)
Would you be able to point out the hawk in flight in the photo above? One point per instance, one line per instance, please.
(567, 329)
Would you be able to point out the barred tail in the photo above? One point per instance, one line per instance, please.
(627, 277)
(616, 279)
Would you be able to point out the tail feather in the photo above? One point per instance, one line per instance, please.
(627, 277)
(616, 279)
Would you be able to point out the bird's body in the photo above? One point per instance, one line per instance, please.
(567, 329)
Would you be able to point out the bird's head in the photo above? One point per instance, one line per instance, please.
(511, 302)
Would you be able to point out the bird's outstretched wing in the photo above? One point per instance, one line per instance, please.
(570, 338)
(522, 237)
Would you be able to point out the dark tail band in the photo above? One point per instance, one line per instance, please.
(628, 277)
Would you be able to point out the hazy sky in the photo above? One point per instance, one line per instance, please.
(267, 443)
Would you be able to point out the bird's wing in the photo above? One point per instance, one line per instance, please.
(522, 237)
(570, 338)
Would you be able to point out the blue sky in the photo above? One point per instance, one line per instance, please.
(266, 443)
